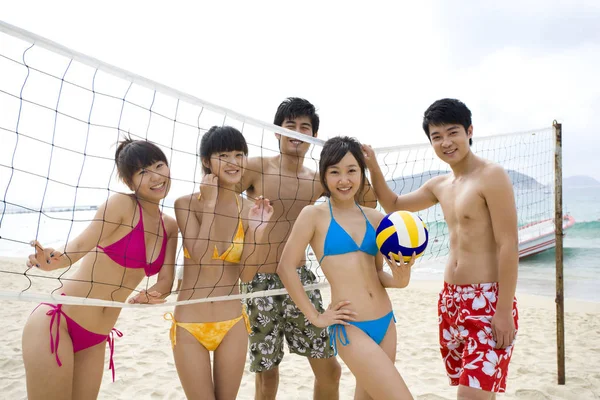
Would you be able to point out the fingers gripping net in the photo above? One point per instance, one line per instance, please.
(64, 112)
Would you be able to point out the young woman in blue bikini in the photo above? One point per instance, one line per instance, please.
(342, 234)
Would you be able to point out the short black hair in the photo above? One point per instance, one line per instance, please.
(134, 155)
(447, 111)
(294, 107)
(332, 153)
(220, 139)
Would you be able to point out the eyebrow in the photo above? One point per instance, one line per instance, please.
(451, 128)
(348, 166)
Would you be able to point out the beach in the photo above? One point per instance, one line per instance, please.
(145, 367)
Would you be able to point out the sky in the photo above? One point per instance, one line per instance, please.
(371, 68)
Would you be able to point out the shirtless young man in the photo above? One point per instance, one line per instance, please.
(290, 186)
(477, 307)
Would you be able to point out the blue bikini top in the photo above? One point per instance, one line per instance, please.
(338, 241)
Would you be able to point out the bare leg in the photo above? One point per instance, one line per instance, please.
(388, 344)
(230, 358)
(267, 383)
(469, 393)
(45, 379)
(88, 370)
(327, 378)
(192, 361)
(375, 372)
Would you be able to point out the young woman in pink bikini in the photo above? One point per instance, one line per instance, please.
(128, 240)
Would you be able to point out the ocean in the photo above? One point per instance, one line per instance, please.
(536, 273)
(581, 256)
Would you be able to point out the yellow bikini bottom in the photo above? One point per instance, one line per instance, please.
(209, 334)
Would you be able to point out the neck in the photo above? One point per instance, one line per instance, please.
(226, 192)
(289, 162)
(464, 166)
(150, 207)
(342, 204)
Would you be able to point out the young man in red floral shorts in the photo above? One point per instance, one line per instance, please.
(477, 308)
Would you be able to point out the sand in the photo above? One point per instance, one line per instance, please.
(145, 368)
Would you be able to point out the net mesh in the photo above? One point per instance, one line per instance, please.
(63, 114)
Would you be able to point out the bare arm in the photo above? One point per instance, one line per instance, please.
(367, 196)
(164, 283)
(253, 169)
(190, 222)
(195, 217)
(418, 200)
(107, 219)
(162, 288)
(400, 276)
(259, 215)
(499, 196)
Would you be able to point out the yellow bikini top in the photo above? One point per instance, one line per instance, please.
(233, 253)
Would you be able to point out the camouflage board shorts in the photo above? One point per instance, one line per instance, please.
(273, 317)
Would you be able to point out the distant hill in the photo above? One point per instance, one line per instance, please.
(412, 182)
(580, 181)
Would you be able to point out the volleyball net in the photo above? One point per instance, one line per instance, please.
(63, 114)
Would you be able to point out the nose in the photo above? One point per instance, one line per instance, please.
(446, 142)
(155, 176)
(233, 161)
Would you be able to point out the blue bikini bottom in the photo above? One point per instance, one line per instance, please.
(375, 329)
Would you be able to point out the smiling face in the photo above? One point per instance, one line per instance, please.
(228, 166)
(344, 179)
(293, 146)
(450, 142)
(152, 182)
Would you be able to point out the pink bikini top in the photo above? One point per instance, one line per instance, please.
(130, 250)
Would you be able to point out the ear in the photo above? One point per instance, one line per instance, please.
(470, 132)
(206, 163)
(278, 136)
(315, 134)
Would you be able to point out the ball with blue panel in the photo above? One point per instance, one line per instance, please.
(402, 232)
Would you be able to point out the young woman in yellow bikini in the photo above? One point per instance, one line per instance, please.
(219, 230)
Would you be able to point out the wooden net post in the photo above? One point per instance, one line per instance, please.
(558, 222)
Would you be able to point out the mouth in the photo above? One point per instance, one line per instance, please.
(450, 152)
(345, 189)
(296, 142)
(158, 187)
(232, 171)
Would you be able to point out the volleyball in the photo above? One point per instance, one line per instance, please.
(402, 232)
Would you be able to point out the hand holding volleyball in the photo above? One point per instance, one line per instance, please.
(402, 232)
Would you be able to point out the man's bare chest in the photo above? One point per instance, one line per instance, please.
(287, 189)
(461, 202)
